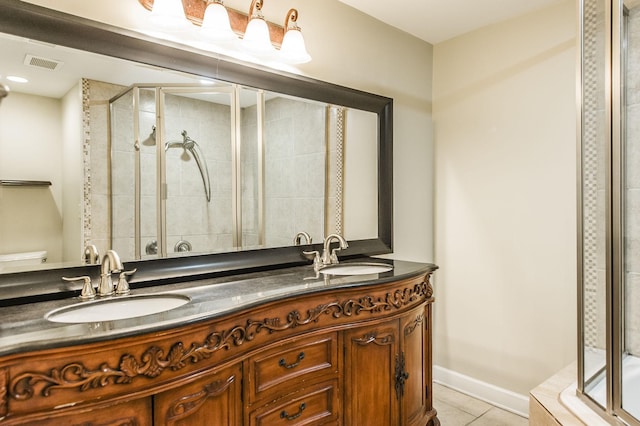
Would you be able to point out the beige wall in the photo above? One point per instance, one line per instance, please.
(72, 174)
(504, 118)
(31, 217)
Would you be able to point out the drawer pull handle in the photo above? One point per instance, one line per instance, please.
(285, 415)
(283, 363)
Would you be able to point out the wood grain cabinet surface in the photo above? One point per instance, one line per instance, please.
(351, 355)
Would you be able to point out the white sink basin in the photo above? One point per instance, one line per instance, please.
(117, 308)
(356, 268)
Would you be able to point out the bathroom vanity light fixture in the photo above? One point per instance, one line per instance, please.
(256, 38)
(293, 49)
(169, 15)
(215, 23)
(230, 30)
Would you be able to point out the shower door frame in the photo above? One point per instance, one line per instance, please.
(614, 128)
(161, 202)
(161, 179)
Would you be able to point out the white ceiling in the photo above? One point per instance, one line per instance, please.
(435, 21)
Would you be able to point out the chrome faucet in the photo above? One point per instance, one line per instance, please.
(297, 240)
(329, 257)
(110, 263)
(91, 255)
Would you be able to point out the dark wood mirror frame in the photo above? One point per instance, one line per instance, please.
(39, 23)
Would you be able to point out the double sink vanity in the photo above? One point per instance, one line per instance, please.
(286, 346)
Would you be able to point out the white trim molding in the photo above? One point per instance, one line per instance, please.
(494, 395)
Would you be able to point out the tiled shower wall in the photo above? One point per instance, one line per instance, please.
(295, 152)
(593, 176)
(206, 225)
(123, 189)
(97, 219)
(594, 147)
(632, 185)
(250, 177)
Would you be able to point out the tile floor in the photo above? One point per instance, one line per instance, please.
(457, 409)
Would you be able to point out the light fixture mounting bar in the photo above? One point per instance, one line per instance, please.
(194, 10)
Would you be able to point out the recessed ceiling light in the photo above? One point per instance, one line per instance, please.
(17, 79)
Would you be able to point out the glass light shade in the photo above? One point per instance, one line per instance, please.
(169, 14)
(293, 49)
(215, 24)
(256, 38)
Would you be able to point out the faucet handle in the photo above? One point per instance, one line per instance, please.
(87, 292)
(123, 285)
(334, 255)
(315, 255)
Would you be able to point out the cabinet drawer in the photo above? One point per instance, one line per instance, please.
(287, 367)
(316, 405)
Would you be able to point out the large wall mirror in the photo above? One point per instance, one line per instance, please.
(162, 152)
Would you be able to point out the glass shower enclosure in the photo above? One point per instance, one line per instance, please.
(221, 167)
(609, 208)
(175, 140)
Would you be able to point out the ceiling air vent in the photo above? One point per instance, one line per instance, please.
(40, 62)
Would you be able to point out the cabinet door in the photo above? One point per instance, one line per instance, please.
(414, 367)
(369, 381)
(137, 412)
(214, 399)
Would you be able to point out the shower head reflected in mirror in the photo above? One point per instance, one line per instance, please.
(151, 139)
(192, 146)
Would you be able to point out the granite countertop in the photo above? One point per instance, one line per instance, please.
(24, 328)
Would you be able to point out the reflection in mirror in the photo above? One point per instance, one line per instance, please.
(175, 141)
(221, 189)
(196, 212)
(295, 148)
(271, 164)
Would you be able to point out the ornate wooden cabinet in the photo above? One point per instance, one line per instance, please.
(213, 398)
(388, 372)
(352, 355)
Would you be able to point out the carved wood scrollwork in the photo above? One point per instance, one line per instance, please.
(4, 401)
(410, 328)
(380, 340)
(153, 361)
(119, 422)
(184, 406)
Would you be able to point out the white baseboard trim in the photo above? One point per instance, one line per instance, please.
(494, 395)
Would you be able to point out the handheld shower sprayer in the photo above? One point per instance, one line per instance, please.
(192, 146)
(187, 142)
